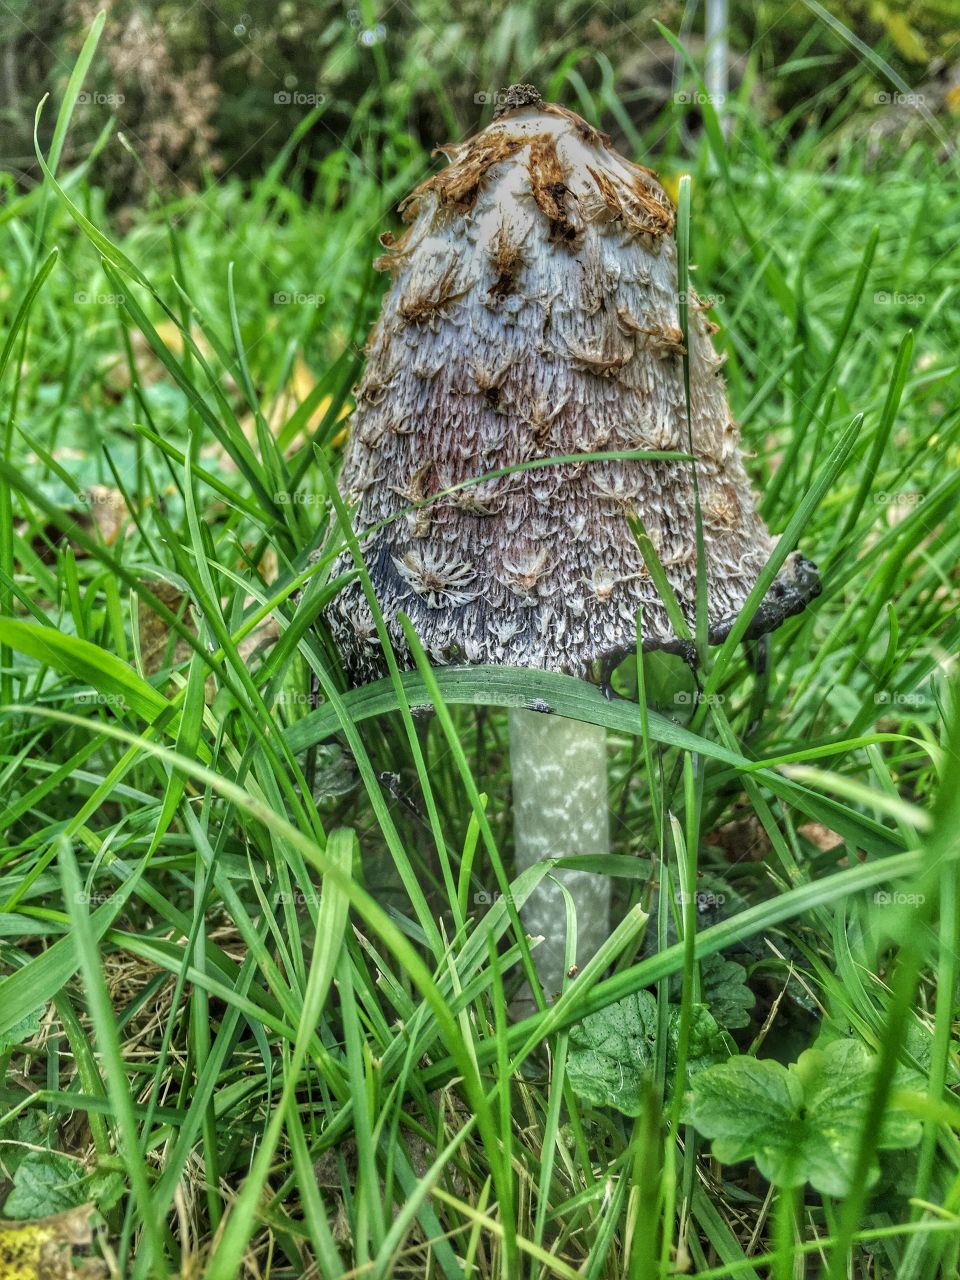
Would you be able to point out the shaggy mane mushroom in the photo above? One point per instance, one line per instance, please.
(533, 313)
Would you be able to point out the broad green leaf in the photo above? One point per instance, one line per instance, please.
(22, 1030)
(799, 1124)
(613, 1051)
(46, 1183)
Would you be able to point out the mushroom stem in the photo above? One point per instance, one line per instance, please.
(560, 808)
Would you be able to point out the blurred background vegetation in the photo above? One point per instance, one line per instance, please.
(212, 90)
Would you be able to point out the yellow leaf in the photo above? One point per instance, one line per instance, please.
(671, 185)
(43, 1249)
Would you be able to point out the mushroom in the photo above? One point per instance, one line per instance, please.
(533, 314)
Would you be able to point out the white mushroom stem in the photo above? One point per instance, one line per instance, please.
(560, 808)
(716, 71)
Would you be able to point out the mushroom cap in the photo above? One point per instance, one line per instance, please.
(533, 313)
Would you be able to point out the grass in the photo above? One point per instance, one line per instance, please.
(256, 956)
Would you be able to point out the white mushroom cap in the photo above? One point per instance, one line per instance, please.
(533, 313)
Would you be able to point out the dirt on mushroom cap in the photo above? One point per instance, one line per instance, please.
(533, 314)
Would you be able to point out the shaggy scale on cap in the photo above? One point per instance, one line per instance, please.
(533, 312)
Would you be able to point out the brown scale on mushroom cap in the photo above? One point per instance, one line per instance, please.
(533, 313)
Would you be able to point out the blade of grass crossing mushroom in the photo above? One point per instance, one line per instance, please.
(518, 468)
(686, 847)
(660, 580)
(644, 714)
(498, 686)
(683, 285)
